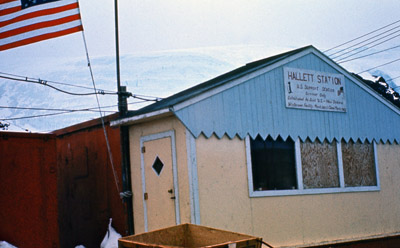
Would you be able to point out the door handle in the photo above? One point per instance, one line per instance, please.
(170, 191)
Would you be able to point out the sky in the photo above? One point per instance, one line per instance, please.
(157, 25)
(224, 27)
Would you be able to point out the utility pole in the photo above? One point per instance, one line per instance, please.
(124, 135)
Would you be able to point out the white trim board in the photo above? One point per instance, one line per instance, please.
(193, 178)
(137, 118)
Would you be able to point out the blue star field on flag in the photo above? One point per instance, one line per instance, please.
(29, 3)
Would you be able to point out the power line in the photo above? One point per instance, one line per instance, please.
(46, 115)
(393, 78)
(381, 51)
(34, 116)
(156, 99)
(362, 36)
(380, 65)
(101, 116)
(61, 111)
(98, 91)
(15, 124)
(115, 105)
(52, 109)
(391, 38)
(54, 82)
(367, 40)
(45, 83)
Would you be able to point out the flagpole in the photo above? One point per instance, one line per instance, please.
(121, 108)
(124, 134)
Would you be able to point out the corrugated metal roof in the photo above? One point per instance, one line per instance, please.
(251, 101)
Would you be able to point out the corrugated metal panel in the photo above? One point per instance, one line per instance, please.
(257, 107)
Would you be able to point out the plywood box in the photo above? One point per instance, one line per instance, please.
(189, 235)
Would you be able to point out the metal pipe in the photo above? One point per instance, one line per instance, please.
(124, 134)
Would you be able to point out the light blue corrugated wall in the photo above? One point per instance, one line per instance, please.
(257, 107)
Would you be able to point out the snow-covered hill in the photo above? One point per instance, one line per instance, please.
(157, 74)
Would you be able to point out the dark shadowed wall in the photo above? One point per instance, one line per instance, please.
(28, 190)
(88, 194)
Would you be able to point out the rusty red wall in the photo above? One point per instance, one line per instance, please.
(88, 195)
(28, 190)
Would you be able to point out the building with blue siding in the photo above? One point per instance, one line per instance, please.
(292, 148)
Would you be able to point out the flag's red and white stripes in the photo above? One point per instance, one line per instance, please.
(20, 27)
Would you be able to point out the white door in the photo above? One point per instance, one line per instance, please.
(160, 195)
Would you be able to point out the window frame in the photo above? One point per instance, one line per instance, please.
(299, 173)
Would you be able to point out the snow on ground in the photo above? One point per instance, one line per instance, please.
(111, 238)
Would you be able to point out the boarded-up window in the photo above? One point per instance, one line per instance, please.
(319, 164)
(358, 164)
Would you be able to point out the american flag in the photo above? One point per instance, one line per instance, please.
(27, 21)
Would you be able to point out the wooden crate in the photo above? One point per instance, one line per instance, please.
(189, 235)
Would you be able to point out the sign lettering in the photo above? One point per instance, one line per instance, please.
(314, 90)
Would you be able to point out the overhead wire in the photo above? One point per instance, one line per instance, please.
(54, 109)
(33, 116)
(366, 48)
(342, 58)
(380, 66)
(101, 116)
(98, 91)
(156, 99)
(15, 124)
(367, 55)
(45, 83)
(393, 78)
(362, 36)
(61, 111)
(93, 109)
(370, 38)
(54, 82)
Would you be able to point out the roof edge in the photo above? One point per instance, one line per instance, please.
(142, 117)
(257, 68)
(85, 125)
(358, 81)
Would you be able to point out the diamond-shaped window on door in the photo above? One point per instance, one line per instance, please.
(158, 166)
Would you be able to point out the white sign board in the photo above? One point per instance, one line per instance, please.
(314, 90)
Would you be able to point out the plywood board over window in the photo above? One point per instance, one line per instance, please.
(319, 164)
(317, 168)
(358, 164)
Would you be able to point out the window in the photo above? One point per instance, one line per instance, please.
(287, 167)
(158, 166)
(319, 164)
(358, 164)
(273, 164)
